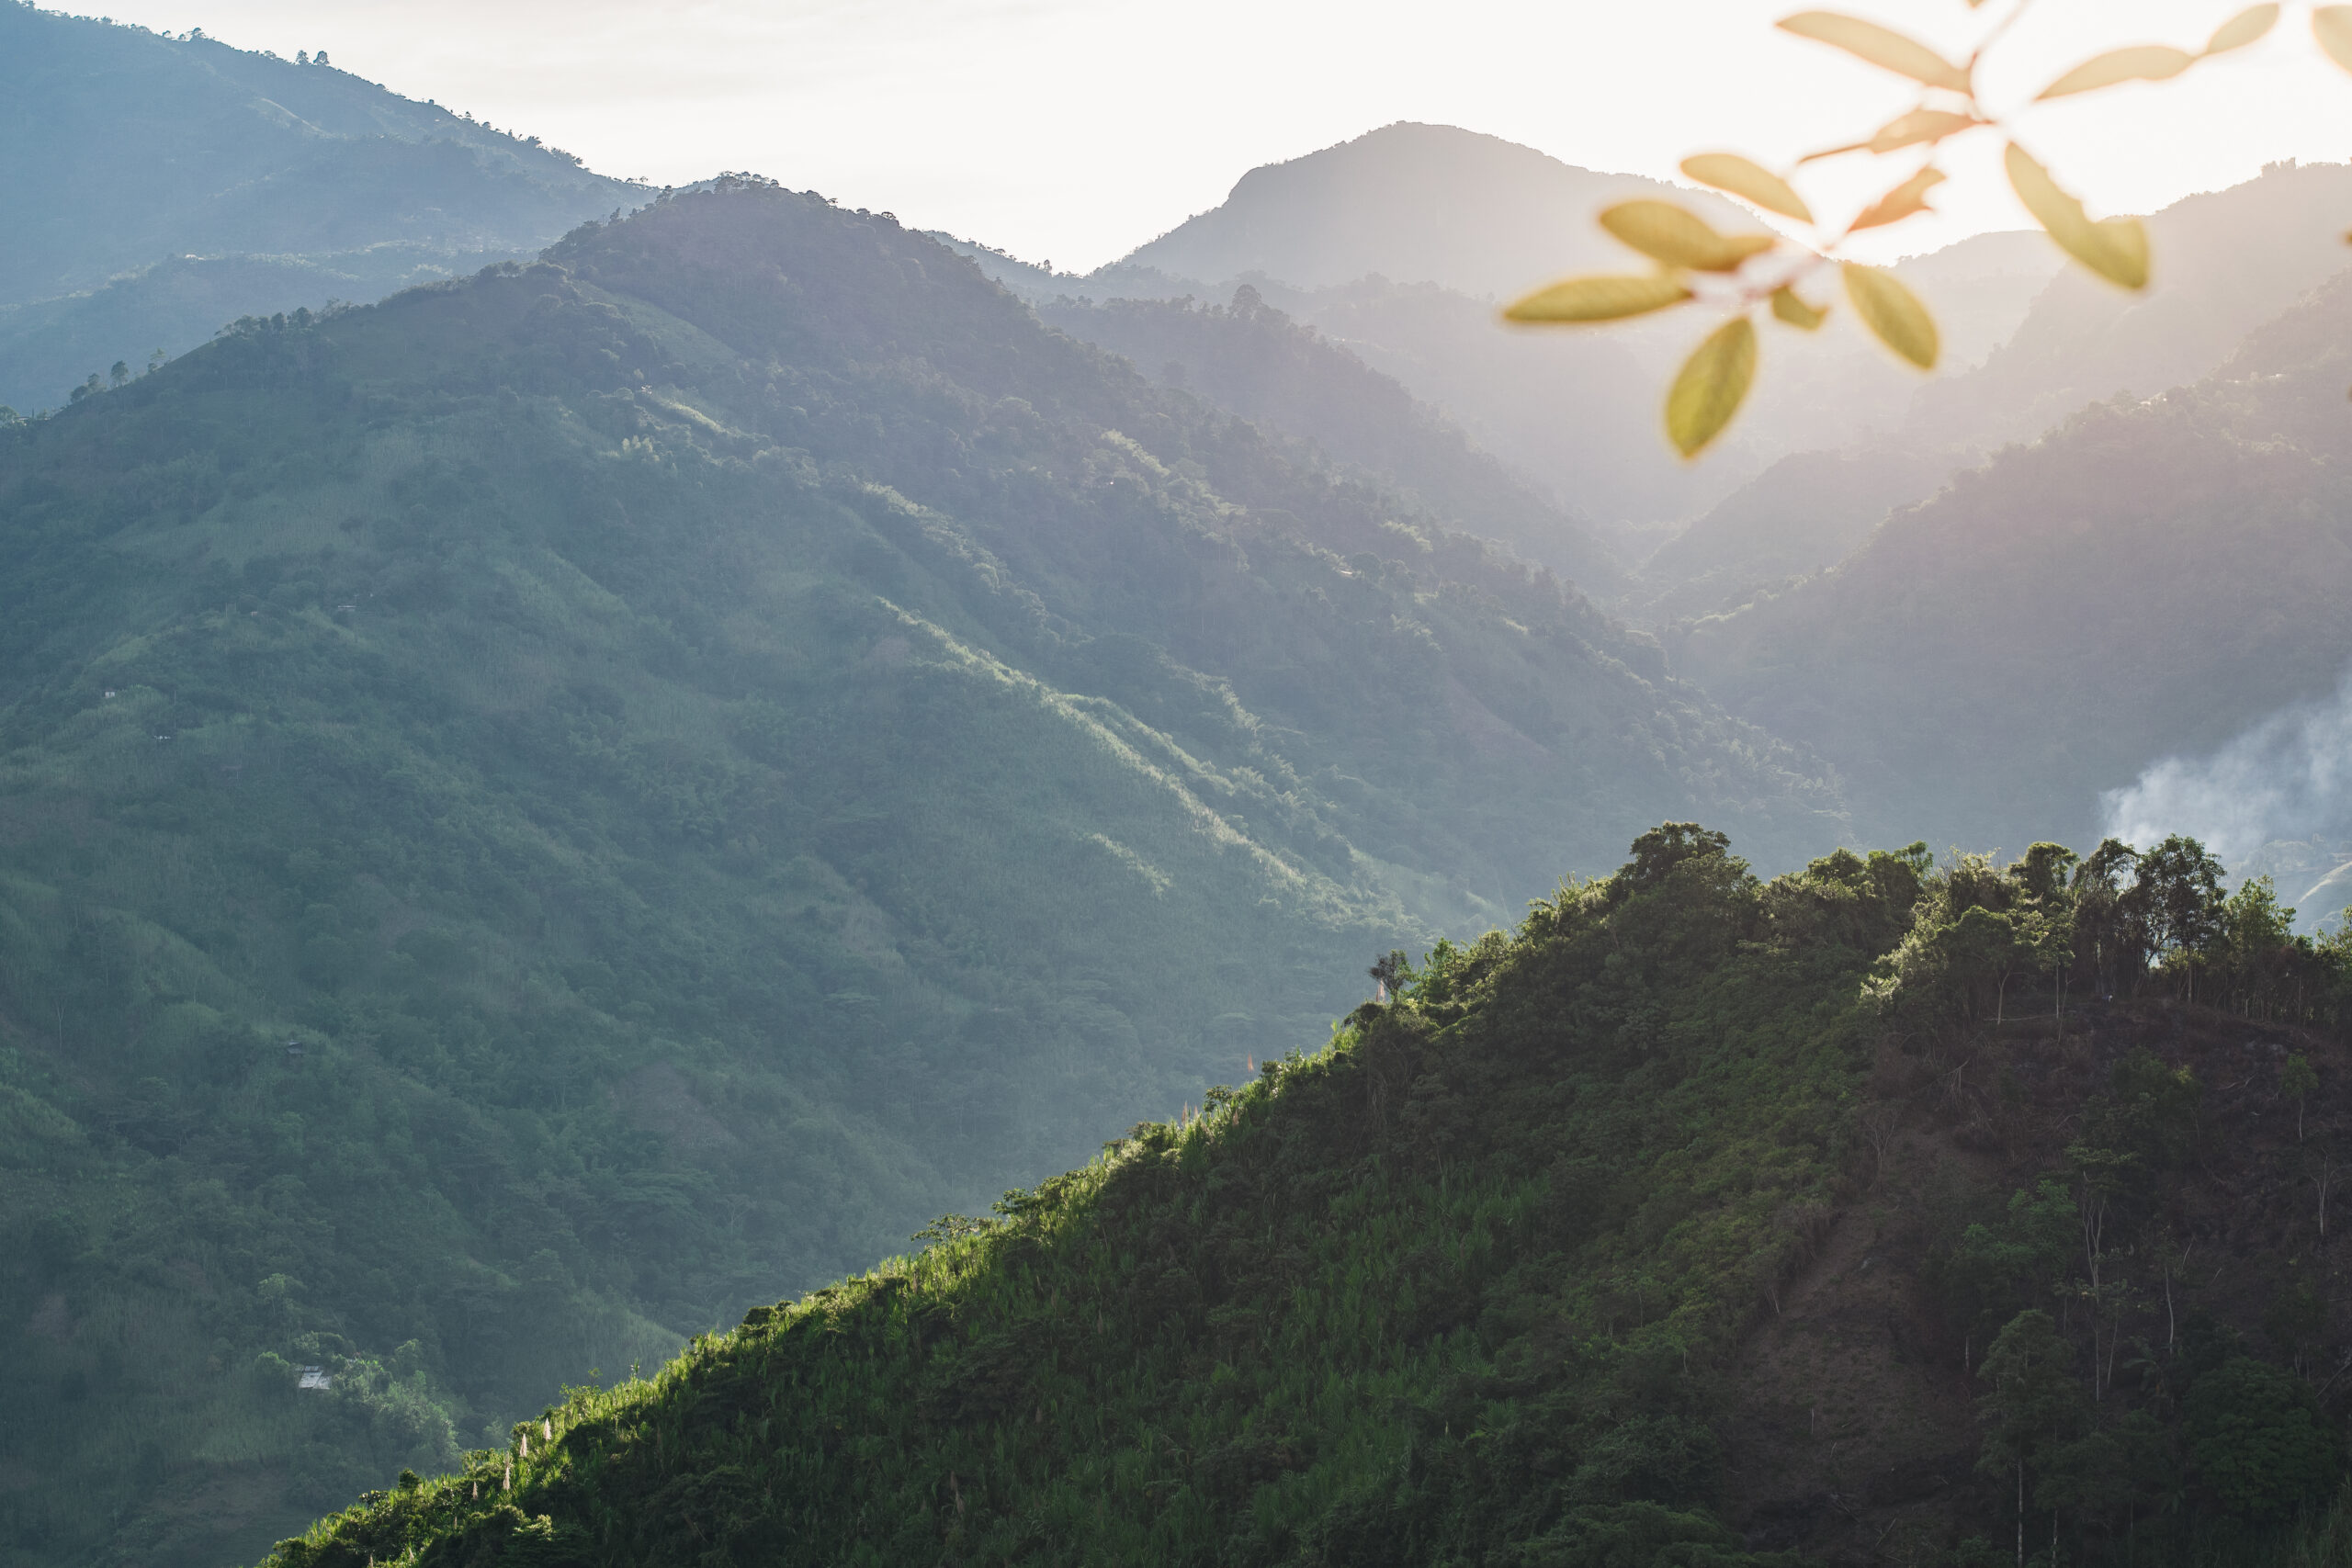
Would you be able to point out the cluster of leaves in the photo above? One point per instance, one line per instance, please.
(1460, 1287)
(1747, 272)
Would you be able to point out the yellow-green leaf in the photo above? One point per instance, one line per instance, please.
(2141, 62)
(1749, 181)
(1680, 237)
(1919, 125)
(2332, 25)
(2115, 248)
(1882, 47)
(1711, 386)
(1788, 306)
(1893, 312)
(1601, 296)
(1905, 199)
(2242, 29)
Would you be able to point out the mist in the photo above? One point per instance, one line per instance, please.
(2288, 777)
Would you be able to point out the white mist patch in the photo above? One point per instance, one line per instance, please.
(2287, 778)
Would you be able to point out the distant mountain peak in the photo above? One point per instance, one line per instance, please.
(1412, 202)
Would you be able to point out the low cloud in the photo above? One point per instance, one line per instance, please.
(2288, 777)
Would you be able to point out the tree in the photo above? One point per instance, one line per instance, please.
(2257, 935)
(1998, 1269)
(118, 373)
(2258, 1441)
(2041, 872)
(2298, 1080)
(2178, 898)
(2111, 1471)
(2034, 1405)
(2102, 920)
(1663, 848)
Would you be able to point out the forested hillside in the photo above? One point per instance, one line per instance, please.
(2145, 581)
(161, 187)
(1886, 1211)
(540, 811)
(1251, 359)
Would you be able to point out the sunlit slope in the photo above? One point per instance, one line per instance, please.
(1254, 360)
(1463, 1287)
(716, 750)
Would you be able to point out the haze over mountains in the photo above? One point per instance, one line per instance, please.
(161, 187)
(541, 811)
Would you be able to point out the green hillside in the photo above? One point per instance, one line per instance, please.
(715, 748)
(1256, 361)
(159, 187)
(1566, 1257)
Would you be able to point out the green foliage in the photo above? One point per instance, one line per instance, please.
(2260, 1448)
(2123, 923)
(2000, 1268)
(2032, 1405)
(1460, 1287)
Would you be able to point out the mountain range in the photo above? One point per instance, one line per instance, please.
(703, 730)
(682, 760)
(164, 186)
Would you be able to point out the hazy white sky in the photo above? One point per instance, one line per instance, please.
(1075, 130)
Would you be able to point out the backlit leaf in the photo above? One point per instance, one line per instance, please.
(2242, 29)
(1680, 237)
(2115, 248)
(1601, 296)
(1919, 125)
(1748, 180)
(1711, 386)
(1790, 308)
(1905, 199)
(1893, 314)
(1836, 152)
(1882, 47)
(2332, 25)
(2141, 62)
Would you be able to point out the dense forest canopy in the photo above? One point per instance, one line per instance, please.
(1608, 1191)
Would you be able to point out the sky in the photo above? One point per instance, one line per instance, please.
(1073, 130)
